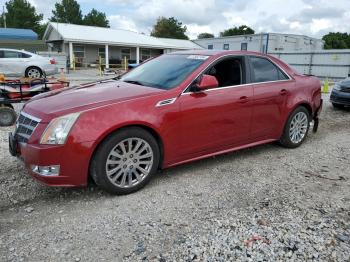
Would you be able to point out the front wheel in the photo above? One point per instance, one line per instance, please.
(125, 161)
(296, 128)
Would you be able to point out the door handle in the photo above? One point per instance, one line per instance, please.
(283, 92)
(243, 99)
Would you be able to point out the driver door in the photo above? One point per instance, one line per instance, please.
(219, 118)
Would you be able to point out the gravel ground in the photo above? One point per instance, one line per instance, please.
(261, 204)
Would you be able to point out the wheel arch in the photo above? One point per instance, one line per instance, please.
(303, 104)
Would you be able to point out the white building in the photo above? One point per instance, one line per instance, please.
(264, 42)
(88, 43)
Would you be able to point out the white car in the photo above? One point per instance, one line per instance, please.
(22, 63)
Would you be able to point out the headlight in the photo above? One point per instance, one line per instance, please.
(57, 131)
(337, 87)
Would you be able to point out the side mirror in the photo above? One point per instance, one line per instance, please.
(207, 82)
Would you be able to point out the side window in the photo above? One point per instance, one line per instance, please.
(24, 55)
(264, 71)
(1, 54)
(12, 54)
(228, 72)
(210, 47)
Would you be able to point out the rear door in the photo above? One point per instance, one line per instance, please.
(271, 89)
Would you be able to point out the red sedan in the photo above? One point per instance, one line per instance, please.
(173, 109)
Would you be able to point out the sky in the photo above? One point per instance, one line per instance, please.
(308, 17)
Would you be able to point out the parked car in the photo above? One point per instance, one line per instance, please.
(22, 63)
(340, 96)
(173, 109)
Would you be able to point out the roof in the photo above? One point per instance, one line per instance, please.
(16, 33)
(214, 52)
(258, 34)
(101, 35)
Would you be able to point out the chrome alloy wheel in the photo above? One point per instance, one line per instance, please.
(34, 73)
(129, 162)
(298, 127)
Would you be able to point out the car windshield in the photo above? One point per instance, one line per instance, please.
(164, 72)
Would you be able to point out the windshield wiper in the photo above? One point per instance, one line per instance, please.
(133, 82)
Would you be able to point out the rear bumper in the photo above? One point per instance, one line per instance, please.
(51, 70)
(340, 98)
(72, 159)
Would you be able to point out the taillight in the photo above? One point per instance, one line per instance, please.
(52, 61)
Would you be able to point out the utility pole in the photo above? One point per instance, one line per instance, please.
(4, 15)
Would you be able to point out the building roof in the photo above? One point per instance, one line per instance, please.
(101, 35)
(17, 33)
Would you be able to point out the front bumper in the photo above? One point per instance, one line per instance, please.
(72, 159)
(340, 98)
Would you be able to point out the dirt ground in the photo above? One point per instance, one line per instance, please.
(261, 204)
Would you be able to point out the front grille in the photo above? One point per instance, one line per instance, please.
(25, 127)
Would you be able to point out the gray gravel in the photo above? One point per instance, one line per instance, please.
(261, 204)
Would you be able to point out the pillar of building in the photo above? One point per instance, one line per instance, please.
(106, 56)
(137, 55)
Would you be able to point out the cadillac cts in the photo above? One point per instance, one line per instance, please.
(173, 109)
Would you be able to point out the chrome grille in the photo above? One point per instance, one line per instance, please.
(25, 127)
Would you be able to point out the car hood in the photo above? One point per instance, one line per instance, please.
(75, 99)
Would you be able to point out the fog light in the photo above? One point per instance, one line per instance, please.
(46, 170)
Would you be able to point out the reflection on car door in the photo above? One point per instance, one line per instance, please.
(216, 119)
(271, 90)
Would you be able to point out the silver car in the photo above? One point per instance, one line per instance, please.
(22, 63)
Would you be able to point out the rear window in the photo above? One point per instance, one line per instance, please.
(264, 70)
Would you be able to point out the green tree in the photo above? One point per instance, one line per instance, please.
(21, 14)
(205, 35)
(169, 28)
(336, 40)
(241, 30)
(68, 11)
(96, 18)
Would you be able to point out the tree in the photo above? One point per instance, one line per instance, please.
(242, 30)
(169, 28)
(68, 11)
(21, 14)
(96, 18)
(336, 40)
(205, 35)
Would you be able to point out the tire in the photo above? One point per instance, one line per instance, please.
(338, 106)
(8, 116)
(120, 171)
(33, 72)
(299, 121)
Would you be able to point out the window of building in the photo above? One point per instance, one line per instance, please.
(210, 47)
(126, 53)
(265, 71)
(79, 51)
(226, 47)
(145, 54)
(244, 46)
(102, 52)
